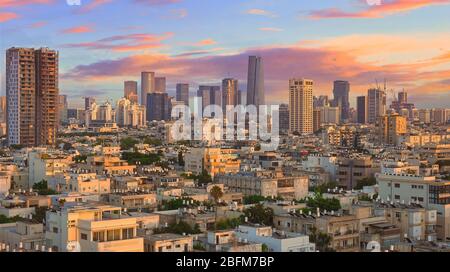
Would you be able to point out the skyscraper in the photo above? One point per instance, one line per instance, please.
(183, 93)
(255, 81)
(210, 95)
(301, 105)
(88, 101)
(160, 84)
(376, 104)
(341, 93)
(402, 97)
(21, 96)
(284, 117)
(229, 93)
(158, 107)
(361, 109)
(63, 106)
(32, 96)
(130, 91)
(321, 101)
(147, 85)
(3, 109)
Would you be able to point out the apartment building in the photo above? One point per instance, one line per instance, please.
(350, 170)
(414, 221)
(226, 241)
(276, 241)
(133, 200)
(213, 160)
(43, 164)
(343, 229)
(25, 234)
(429, 192)
(112, 165)
(32, 96)
(168, 242)
(267, 185)
(91, 228)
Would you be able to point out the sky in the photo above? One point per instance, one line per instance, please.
(105, 42)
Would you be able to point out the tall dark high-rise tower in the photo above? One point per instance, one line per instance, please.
(361, 109)
(183, 93)
(341, 94)
(255, 81)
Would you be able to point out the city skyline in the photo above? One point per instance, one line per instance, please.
(323, 41)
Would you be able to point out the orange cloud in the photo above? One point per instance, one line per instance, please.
(93, 5)
(386, 8)
(426, 73)
(206, 42)
(7, 16)
(18, 3)
(78, 30)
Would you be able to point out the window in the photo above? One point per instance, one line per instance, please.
(169, 247)
(397, 185)
(55, 230)
(99, 236)
(83, 236)
(420, 199)
(127, 233)
(397, 197)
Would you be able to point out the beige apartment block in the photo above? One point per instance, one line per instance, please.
(91, 227)
(168, 242)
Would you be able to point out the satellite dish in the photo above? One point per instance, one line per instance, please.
(373, 246)
(73, 246)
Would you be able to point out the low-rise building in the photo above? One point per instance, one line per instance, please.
(275, 241)
(168, 242)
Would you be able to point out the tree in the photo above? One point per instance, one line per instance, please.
(42, 188)
(365, 182)
(253, 199)
(318, 201)
(203, 178)
(152, 141)
(322, 240)
(323, 188)
(128, 143)
(179, 228)
(228, 223)
(264, 248)
(5, 220)
(216, 193)
(144, 159)
(258, 214)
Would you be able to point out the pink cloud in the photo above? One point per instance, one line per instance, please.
(18, 3)
(78, 30)
(7, 16)
(124, 43)
(93, 5)
(320, 64)
(377, 11)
